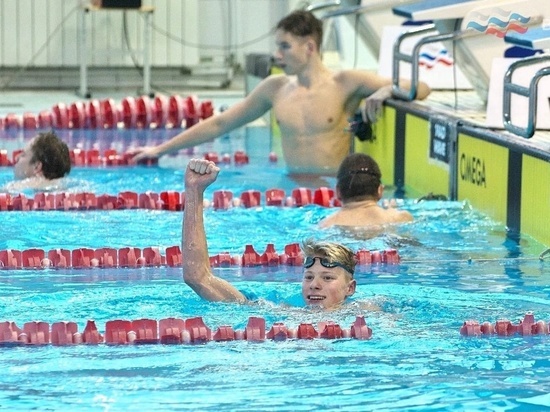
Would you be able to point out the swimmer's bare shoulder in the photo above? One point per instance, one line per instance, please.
(269, 90)
(400, 216)
(276, 81)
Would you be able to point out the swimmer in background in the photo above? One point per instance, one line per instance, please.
(41, 165)
(328, 267)
(310, 102)
(359, 188)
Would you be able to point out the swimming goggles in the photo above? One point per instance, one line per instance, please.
(310, 261)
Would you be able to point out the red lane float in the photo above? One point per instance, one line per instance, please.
(77, 116)
(45, 119)
(12, 121)
(109, 114)
(222, 199)
(4, 159)
(206, 109)
(241, 158)
(93, 114)
(60, 114)
(171, 331)
(250, 198)
(145, 114)
(503, 327)
(132, 257)
(167, 200)
(175, 110)
(191, 111)
(301, 196)
(161, 109)
(30, 121)
(132, 112)
(129, 112)
(275, 197)
(80, 157)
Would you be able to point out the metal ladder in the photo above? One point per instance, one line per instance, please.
(529, 92)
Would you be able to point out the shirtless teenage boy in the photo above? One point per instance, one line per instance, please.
(310, 102)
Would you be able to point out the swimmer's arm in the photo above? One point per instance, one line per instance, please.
(197, 272)
(376, 89)
(370, 82)
(422, 91)
(241, 113)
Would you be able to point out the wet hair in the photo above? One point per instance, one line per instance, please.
(53, 153)
(303, 23)
(335, 252)
(358, 178)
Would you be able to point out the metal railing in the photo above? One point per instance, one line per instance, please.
(414, 58)
(530, 93)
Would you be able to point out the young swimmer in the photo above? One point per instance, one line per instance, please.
(41, 165)
(359, 188)
(310, 102)
(328, 267)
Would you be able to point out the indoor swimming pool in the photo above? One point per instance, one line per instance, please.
(456, 265)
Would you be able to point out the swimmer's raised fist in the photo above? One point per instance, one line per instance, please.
(200, 173)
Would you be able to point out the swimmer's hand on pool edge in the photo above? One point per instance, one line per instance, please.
(374, 104)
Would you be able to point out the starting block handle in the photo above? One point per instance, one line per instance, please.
(528, 92)
(414, 58)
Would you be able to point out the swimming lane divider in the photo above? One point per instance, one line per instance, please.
(173, 111)
(132, 257)
(504, 327)
(111, 157)
(167, 200)
(171, 331)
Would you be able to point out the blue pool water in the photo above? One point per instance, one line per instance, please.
(456, 265)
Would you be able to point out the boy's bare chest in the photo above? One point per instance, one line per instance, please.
(321, 105)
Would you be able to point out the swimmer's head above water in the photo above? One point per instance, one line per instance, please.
(328, 273)
(45, 156)
(328, 267)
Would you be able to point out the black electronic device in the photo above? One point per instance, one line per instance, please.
(117, 4)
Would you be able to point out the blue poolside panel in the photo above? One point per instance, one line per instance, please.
(534, 38)
(411, 11)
